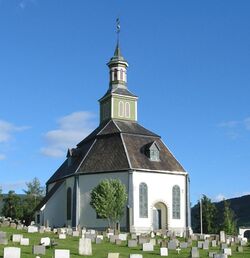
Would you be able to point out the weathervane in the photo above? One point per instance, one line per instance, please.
(118, 29)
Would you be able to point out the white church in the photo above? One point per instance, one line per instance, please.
(156, 183)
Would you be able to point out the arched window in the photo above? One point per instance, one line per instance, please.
(121, 109)
(115, 75)
(176, 202)
(143, 200)
(127, 110)
(69, 201)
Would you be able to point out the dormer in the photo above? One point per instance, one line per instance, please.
(152, 151)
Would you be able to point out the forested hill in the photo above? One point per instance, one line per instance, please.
(240, 206)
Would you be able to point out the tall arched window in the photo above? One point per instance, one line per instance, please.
(143, 200)
(69, 201)
(176, 202)
(115, 75)
(127, 110)
(121, 109)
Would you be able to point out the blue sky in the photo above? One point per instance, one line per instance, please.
(189, 65)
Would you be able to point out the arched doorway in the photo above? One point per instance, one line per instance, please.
(247, 234)
(160, 216)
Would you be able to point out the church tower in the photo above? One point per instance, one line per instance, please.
(118, 102)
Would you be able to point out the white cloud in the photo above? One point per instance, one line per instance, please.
(71, 130)
(219, 197)
(2, 156)
(235, 128)
(24, 3)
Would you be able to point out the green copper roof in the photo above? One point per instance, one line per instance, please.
(117, 56)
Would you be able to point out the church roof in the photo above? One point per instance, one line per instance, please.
(117, 145)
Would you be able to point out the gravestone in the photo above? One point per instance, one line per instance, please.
(24, 241)
(220, 256)
(135, 256)
(122, 237)
(85, 246)
(214, 243)
(62, 236)
(205, 245)
(100, 236)
(69, 231)
(11, 252)
(163, 251)
(146, 247)
(227, 251)
(32, 229)
(62, 253)
(195, 252)
(113, 238)
(222, 237)
(3, 241)
(75, 234)
(38, 249)
(172, 245)
(211, 254)
(19, 227)
(183, 245)
(200, 244)
(164, 243)
(113, 255)
(132, 243)
(118, 241)
(13, 225)
(133, 236)
(16, 238)
(98, 240)
(223, 246)
(143, 240)
(45, 241)
(3, 234)
(152, 241)
(239, 249)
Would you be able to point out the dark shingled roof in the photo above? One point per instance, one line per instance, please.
(117, 145)
(120, 91)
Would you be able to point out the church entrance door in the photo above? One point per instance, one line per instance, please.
(159, 216)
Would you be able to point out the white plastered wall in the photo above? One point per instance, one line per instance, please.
(86, 184)
(159, 190)
(54, 211)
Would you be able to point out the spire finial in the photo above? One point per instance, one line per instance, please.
(118, 29)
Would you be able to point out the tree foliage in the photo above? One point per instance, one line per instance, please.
(209, 215)
(12, 206)
(229, 224)
(33, 195)
(108, 199)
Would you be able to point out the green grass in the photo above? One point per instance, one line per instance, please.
(100, 250)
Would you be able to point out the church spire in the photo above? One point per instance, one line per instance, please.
(117, 64)
(118, 102)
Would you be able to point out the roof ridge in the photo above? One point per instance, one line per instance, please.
(126, 151)
(117, 126)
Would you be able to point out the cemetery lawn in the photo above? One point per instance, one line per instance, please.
(99, 250)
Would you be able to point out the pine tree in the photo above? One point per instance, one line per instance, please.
(229, 223)
(12, 206)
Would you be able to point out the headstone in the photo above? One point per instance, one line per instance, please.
(133, 236)
(113, 238)
(152, 241)
(62, 236)
(70, 231)
(152, 235)
(200, 244)
(3, 241)
(122, 237)
(12, 252)
(113, 255)
(19, 227)
(24, 241)
(183, 245)
(45, 241)
(220, 256)
(214, 243)
(132, 243)
(32, 229)
(163, 251)
(3, 234)
(135, 256)
(211, 254)
(163, 243)
(146, 247)
(172, 245)
(239, 249)
(16, 238)
(222, 237)
(98, 240)
(227, 251)
(62, 253)
(143, 240)
(76, 234)
(223, 246)
(205, 245)
(100, 236)
(195, 252)
(85, 246)
(38, 249)
(13, 225)
(118, 241)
